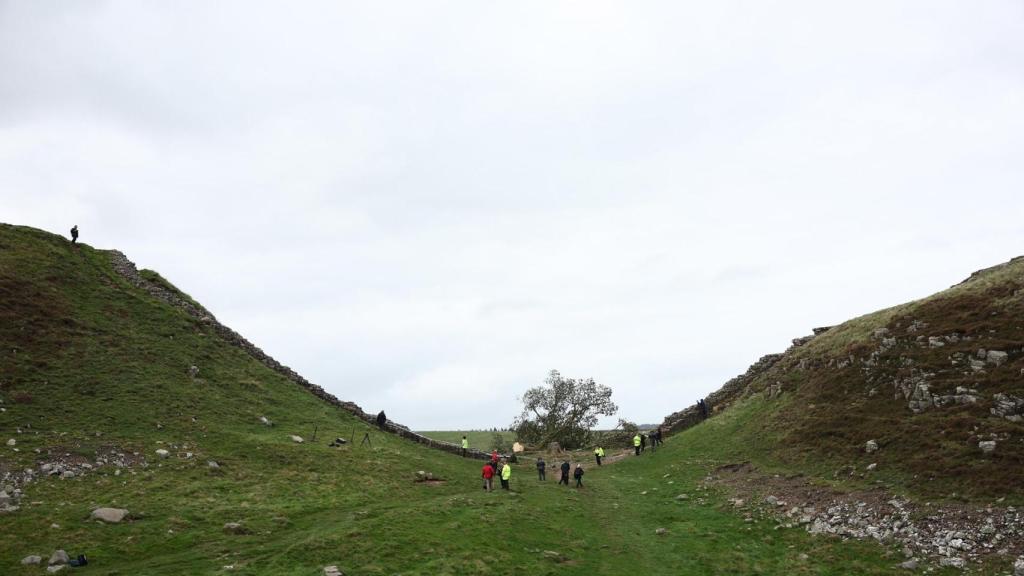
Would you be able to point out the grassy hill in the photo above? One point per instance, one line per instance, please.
(928, 381)
(96, 377)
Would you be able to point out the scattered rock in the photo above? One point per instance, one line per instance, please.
(162, 453)
(996, 357)
(661, 531)
(235, 528)
(987, 446)
(553, 556)
(193, 371)
(109, 515)
(59, 557)
(265, 421)
(296, 439)
(909, 564)
(872, 466)
(332, 571)
(12, 442)
(213, 464)
(423, 476)
(683, 497)
(871, 446)
(954, 562)
(27, 560)
(55, 569)
(1018, 567)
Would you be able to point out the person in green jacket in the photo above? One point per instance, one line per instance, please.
(636, 443)
(465, 445)
(506, 474)
(598, 454)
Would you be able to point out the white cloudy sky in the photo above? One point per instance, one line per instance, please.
(425, 206)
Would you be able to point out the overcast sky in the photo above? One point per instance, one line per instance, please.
(426, 206)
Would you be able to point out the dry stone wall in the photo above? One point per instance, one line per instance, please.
(127, 270)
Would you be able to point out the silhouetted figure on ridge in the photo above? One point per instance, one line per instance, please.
(74, 234)
(381, 420)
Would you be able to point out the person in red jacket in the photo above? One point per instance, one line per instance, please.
(494, 460)
(488, 475)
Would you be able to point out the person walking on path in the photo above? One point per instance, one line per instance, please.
(541, 465)
(488, 475)
(74, 234)
(643, 442)
(382, 419)
(578, 475)
(465, 445)
(636, 443)
(565, 473)
(506, 475)
(598, 454)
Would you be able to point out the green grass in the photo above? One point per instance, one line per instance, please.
(88, 362)
(479, 439)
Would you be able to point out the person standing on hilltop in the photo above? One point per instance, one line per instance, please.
(578, 475)
(565, 473)
(506, 474)
(636, 443)
(488, 476)
(74, 234)
(465, 445)
(382, 419)
(598, 454)
(541, 466)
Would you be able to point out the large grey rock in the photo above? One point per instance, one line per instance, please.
(162, 453)
(27, 560)
(871, 446)
(996, 357)
(1018, 567)
(987, 446)
(12, 442)
(909, 564)
(109, 515)
(59, 557)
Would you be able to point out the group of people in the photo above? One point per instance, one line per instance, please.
(564, 468)
(495, 467)
(640, 441)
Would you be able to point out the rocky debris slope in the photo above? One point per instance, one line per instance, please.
(127, 270)
(957, 535)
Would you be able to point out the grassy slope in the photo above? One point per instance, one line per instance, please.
(93, 363)
(828, 413)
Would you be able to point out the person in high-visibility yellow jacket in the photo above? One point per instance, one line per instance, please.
(506, 475)
(598, 454)
(465, 445)
(636, 443)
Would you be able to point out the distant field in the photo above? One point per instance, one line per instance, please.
(477, 438)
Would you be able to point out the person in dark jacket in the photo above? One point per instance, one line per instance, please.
(578, 475)
(74, 234)
(382, 419)
(643, 442)
(565, 473)
(541, 465)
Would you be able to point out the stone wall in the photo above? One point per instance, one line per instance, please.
(719, 399)
(127, 270)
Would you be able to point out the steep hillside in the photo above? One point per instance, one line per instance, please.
(119, 391)
(937, 384)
